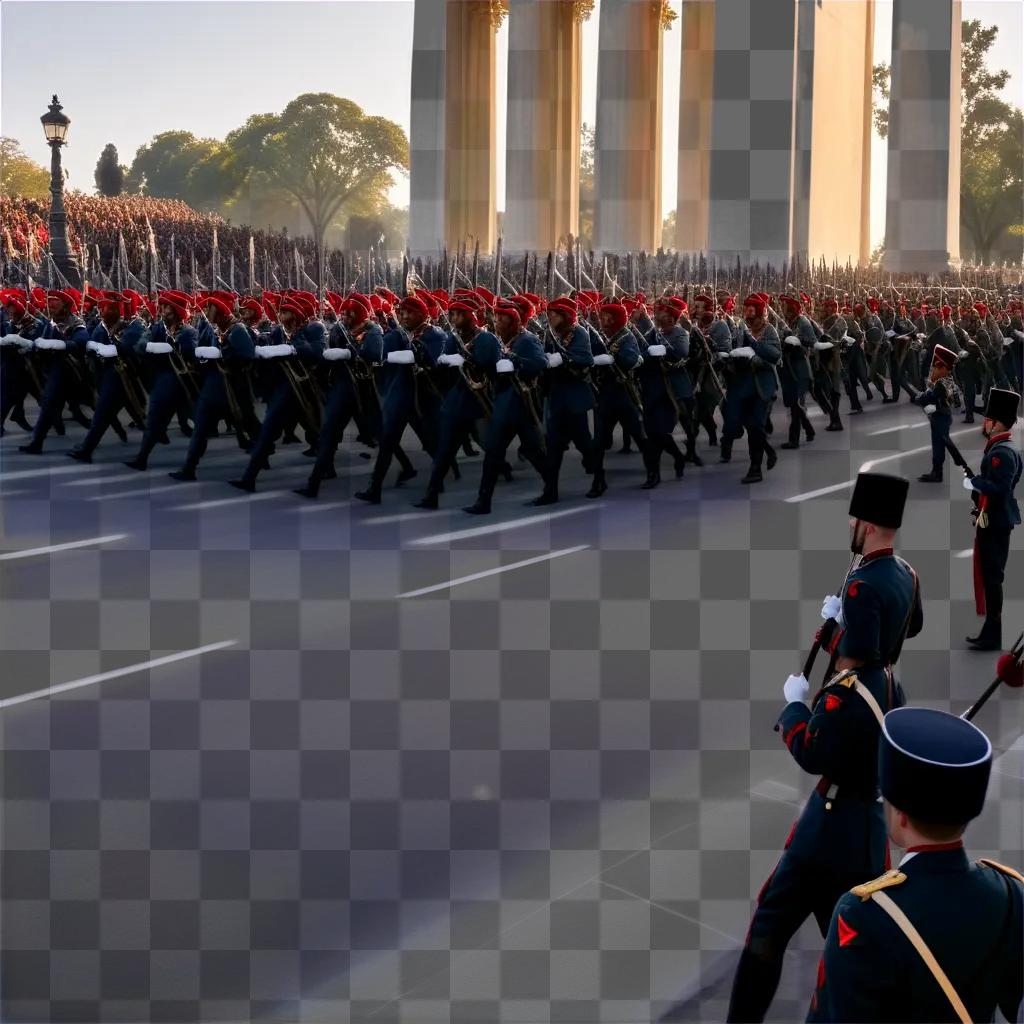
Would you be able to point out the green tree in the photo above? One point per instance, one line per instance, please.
(20, 175)
(109, 173)
(323, 152)
(668, 231)
(588, 193)
(162, 166)
(992, 141)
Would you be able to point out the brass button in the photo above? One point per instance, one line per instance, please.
(828, 805)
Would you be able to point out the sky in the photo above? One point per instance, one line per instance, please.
(151, 66)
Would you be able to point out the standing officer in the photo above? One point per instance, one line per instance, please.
(996, 515)
(839, 839)
(939, 401)
(939, 938)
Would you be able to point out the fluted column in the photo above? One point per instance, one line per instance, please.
(627, 161)
(427, 129)
(695, 101)
(542, 180)
(922, 217)
(470, 122)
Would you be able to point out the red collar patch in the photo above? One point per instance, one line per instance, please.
(846, 933)
(831, 702)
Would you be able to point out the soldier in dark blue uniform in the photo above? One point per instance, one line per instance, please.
(62, 347)
(938, 938)
(515, 411)
(18, 330)
(939, 401)
(751, 386)
(113, 340)
(795, 370)
(1013, 344)
(471, 353)
(168, 346)
(618, 399)
(710, 337)
(411, 351)
(839, 839)
(225, 350)
(570, 393)
(996, 514)
(297, 336)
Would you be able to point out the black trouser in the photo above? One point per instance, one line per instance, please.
(510, 419)
(561, 429)
(615, 406)
(452, 432)
(993, 552)
(109, 403)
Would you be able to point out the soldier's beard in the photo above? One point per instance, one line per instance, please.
(857, 538)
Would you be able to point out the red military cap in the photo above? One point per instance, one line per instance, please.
(414, 304)
(441, 293)
(219, 304)
(672, 305)
(792, 302)
(16, 305)
(174, 302)
(873, 304)
(251, 302)
(706, 299)
(981, 309)
(756, 300)
(617, 312)
(72, 296)
(464, 306)
(488, 296)
(830, 304)
(386, 293)
(526, 309)
(944, 357)
(564, 305)
(503, 307)
(295, 304)
(358, 304)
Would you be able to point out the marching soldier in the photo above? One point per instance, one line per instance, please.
(939, 401)
(472, 353)
(618, 396)
(839, 839)
(751, 386)
(901, 332)
(570, 394)
(225, 352)
(357, 346)
(114, 340)
(972, 369)
(169, 347)
(515, 412)
(996, 514)
(876, 345)
(939, 937)
(795, 369)
(411, 351)
(856, 362)
(296, 342)
(1013, 344)
(63, 339)
(709, 339)
(828, 366)
(18, 332)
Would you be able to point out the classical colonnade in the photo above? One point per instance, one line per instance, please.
(774, 127)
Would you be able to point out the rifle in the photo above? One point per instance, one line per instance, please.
(1006, 672)
(828, 630)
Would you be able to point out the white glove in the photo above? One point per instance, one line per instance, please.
(745, 352)
(791, 339)
(847, 339)
(24, 343)
(1007, 342)
(962, 355)
(823, 346)
(92, 346)
(54, 344)
(921, 336)
(404, 357)
(334, 354)
(796, 688)
(832, 608)
(504, 366)
(1019, 335)
(604, 359)
(454, 359)
(263, 351)
(890, 334)
(929, 409)
(107, 351)
(968, 484)
(209, 352)
(554, 360)
(656, 350)
(158, 348)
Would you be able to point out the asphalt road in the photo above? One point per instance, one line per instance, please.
(266, 758)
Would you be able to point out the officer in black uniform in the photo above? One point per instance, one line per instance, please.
(939, 938)
(997, 514)
(839, 839)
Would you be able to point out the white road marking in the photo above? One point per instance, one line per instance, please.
(404, 517)
(448, 584)
(199, 506)
(127, 670)
(508, 524)
(869, 465)
(894, 430)
(29, 474)
(324, 506)
(966, 553)
(113, 478)
(71, 545)
(142, 492)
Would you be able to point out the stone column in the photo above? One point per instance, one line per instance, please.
(627, 161)
(470, 122)
(427, 130)
(542, 180)
(922, 218)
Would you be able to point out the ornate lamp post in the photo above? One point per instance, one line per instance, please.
(55, 127)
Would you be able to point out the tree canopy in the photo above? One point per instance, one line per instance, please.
(162, 166)
(109, 174)
(20, 175)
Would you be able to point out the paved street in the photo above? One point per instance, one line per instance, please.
(273, 759)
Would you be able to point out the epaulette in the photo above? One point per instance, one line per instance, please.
(886, 881)
(847, 678)
(1012, 872)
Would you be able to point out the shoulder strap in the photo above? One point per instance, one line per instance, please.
(910, 608)
(906, 926)
(869, 698)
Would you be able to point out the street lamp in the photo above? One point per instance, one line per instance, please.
(55, 127)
